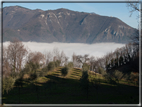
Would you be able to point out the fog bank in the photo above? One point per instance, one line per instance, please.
(97, 49)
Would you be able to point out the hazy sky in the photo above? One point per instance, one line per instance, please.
(119, 10)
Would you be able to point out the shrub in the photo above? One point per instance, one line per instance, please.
(70, 65)
(65, 71)
(117, 75)
(57, 63)
(109, 78)
(8, 84)
(41, 73)
(19, 82)
(30, 67)
(134, 78)
(85, 67)
(33, 76)
(51, 66)
(26, 70)
(126, 77)
(45, 69)
(38, 73)
(102, 71)
(112, 81)
(14, 75)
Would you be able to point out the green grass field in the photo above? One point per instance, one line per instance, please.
(56, 89)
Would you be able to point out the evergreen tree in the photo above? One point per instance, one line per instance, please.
(51, 66)
(65, 71)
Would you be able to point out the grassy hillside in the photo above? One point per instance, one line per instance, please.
(56, 89)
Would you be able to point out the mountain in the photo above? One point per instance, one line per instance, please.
(62, 25)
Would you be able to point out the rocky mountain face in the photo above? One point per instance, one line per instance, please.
(62, 25)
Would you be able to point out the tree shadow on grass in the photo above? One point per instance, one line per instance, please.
(59, 90)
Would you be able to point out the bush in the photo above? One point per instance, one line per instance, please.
(33, 76)
(8, 84)
(70, 65)
(109, 79)
(102, 71)
(134, 78)
(40, 73)
(85, 67)
(37, 73)
(19, 82)
(51, 66)
(45, 69)
(30, 67)
(65, 71)
(126, 77)
(112, 81)
(117, 75)
(14, 74)
(26, 70)
(57, 63)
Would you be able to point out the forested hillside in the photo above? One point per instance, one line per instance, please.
(34, 77)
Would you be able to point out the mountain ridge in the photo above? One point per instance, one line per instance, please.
(62, 25)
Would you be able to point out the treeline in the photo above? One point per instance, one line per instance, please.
(20, 63)
(129, 54)
(121, 56)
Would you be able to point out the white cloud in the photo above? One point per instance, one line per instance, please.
(97, 49)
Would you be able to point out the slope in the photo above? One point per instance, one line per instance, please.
(63, 25)
(56, 89)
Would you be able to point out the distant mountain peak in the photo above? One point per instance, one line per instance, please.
(63, 25)
(16, 7)
(39, 10)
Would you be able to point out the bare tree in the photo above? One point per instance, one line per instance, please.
(82, 59)
(62, 58)
(16, 53)
(92, 60)
(74, 59)
(48, 57)
(134, 7)
(36, 57)
(6, 66)
(56, 53)
(66, 60)
(136, 39)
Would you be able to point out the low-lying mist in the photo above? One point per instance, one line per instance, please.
(96, 50)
